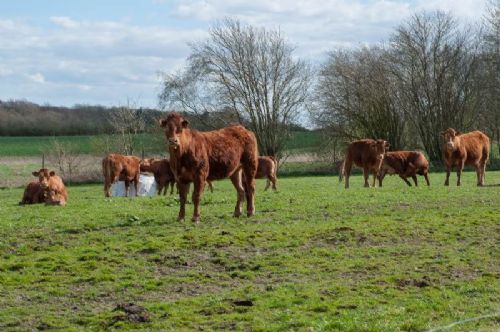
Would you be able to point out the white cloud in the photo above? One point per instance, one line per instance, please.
(37, 77)
(65, 22)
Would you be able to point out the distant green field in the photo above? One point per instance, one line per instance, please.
(31, 146)
(315, 257)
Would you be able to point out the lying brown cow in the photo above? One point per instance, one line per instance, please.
(267, 168)
(367, 154)
(405, 164)
(465, 149)
(116, 167)
(33, 194)
(200, 156)
(53, 187)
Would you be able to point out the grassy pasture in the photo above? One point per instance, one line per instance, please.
(368, 259)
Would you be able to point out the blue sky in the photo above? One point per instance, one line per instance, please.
(111, 52)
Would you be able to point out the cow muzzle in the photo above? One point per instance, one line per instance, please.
(173, 142)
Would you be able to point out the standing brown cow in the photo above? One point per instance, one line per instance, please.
(367, 154)
(405, 164)
(53, 186)
(162, 173)
(200, 156)
(33, 194)
(123, 168)
(465, 149)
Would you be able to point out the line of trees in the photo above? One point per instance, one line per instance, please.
(433, 74)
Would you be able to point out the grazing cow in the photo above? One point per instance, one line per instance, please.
(267, 168)
(33, 194)
(162, 173)
(367, 154)
(405, 164)
(200, 156)
(117, 167)
(465, 149)
(53, 187)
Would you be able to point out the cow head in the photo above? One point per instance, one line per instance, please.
(379, 147)
(146, 165)
(43, 177)
(173, 126)
(449, 136)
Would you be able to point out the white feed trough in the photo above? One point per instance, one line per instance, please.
(147, 187)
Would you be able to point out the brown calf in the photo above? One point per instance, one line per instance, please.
(33, 194)
(367, 154)
(267, 168)
(200, 156)
(53, 187)
(405, 164)
(162, 173)
(117, 167)
(465, 149)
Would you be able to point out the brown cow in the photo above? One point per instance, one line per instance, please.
(367, 154)
(267, 168)
(116, 167)
(162, 173)
(405, 164)
(33, 194)
(465, 149)
(199, 156)
(53, 186)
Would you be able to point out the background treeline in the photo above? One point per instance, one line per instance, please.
(434, 73)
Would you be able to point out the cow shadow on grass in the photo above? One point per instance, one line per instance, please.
(491, 185)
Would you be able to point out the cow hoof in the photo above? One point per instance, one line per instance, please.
(250, 214)
(180, 219)
(196, 220)
(236, 214)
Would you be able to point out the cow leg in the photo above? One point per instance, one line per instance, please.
(273, 181)
(381, 177)
(414, 177)
(240, 192)
(249, 185)
(210, 186)
(374, 178)
(347, 172)
(268, 184)
(127, 184)
(199, 184)
(183, 191)
(460, 168)
(478, 174)
(448, 170)
(483, 172)
(107, 188)
(172, 187)
(405, 180)
(366, 175)
(426, 176)
(136, 185)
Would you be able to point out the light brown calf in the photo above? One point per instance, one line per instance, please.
(405, 164)
(53, 187)
(367, 154)
(117, 167)
(465, 149)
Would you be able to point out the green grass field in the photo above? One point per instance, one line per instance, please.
(36, 145)
(367, 259)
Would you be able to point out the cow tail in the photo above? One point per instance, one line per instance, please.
(341, 170)
(106, 168)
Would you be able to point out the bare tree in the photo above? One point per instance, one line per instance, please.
(249, 71)
(127, 122)
(356, 97)
(491, 71)
(435, 63)
(63, 155)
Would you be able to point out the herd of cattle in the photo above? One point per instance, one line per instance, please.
(202, 157)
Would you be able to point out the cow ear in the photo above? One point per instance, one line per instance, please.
(457, 133)
(163, 123)
(35, 173)
(52, 173)
(184, 123)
